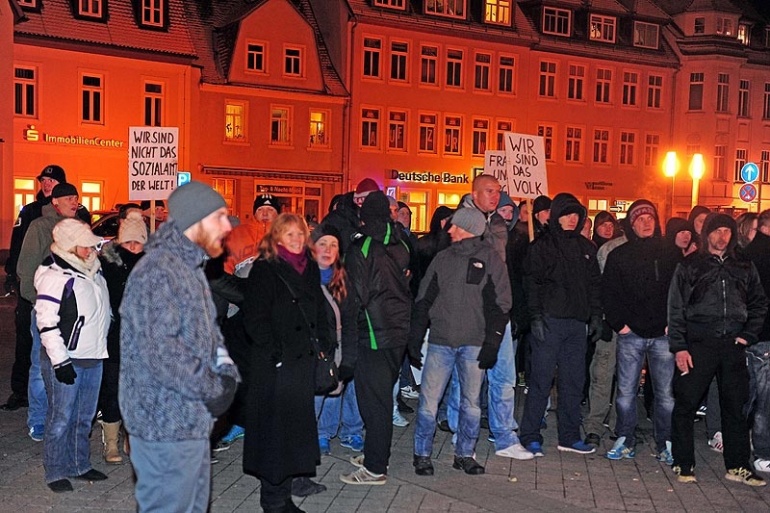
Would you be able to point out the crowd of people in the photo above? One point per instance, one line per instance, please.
(210, 331)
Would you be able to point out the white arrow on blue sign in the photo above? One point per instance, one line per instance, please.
(749, 172)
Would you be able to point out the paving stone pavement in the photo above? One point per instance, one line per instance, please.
(559, 481)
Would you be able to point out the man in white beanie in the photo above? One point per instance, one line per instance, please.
(176, 376)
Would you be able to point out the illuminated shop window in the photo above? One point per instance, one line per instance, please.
(24, 91)
(153, 13)
(556, 21)
(646, 35)
(651, 150)
(280, 125)
(91, 195)
(428, 129)
(235, 121)
(630, 85)
(497, 11)
(153, 104)
(574, 144)
(319, 129)
(602, 28)
(723, 92)
(601, 146)
(505, 74)
(370, 128)
(226, 188)
(429, 65)
(255, 57)
(92, 99)
(292, 62)
(418, 204)
(576, 82)
(397, 130)
(547, 79)
(481, 71)
(23, 193)
(450, 8)
(453, 135)
(454, 68)
(627, 148)
(743, 98)
(720, 167)
(480, 136)
(654, 91)
(372, 51)
(399, 57)
(449, 199)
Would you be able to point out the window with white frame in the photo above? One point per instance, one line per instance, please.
(453, 135)
(280, 125)
(547, 85)
(651, 150)
(153, 104)
(557, 21)
(602, 28)
(630, 82)
(370, 128)
(480, 136)
(235, 121)
(505, 74)
(292, 62)
(744, 34)
(723, 92)
(743, 98)
(696, 92)
(573, 150)
(29, 4)
(399, 57)
(576, 82)
(481, 71)
(627, 148)
(603, 85)
(372, 54)
(646, 34)
(397, 130)
(91, 195)
(654, 91)
(547, 133)
(153, 13)
(428, 129)
(601, 146)
(741, 155)
(720, 168)
(24, 91)
(24, 190)
(429, 65)
(724, 26)
(699, 26)
(319, 128)
(255, 57)
(497, 11)
(226, 188)
(766, 102)
(764, 166)
(91, 8)
(454, 68)
(392, 4)
(92, 98)
(503, 125)
(450, 8)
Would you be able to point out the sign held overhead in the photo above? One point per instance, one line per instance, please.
(153, 158)
(526, 175)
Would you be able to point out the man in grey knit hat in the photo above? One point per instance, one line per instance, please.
(176, 376)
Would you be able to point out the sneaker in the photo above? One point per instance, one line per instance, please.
(361, 476)
(235, 433)
(536, 449)
(37, 433)
(716, 442)
(515, 451)
(357, 461)
(408, 392)
(60, 486)
(305, 487)
(684, 476)
(701, 411)
(422, 465)
(468, 465)
(444, 426)
(665, 455)
(579, 447)
(745, 476)
(399, 420)
(491, 437)
(92, 475)
(213, 458)
(620, 451)
(593, 439)
(354, 442)
(762, 465)
(324, 445)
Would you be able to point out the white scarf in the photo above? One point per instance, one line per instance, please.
(89, 267)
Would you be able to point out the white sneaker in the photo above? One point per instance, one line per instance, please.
(399, 420)
(716, 443)
(408, 392)
(515, 451)
(762, 465)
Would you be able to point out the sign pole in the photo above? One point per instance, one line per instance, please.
(531, 215)
(152, 216)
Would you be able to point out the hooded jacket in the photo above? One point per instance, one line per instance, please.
(715, 299)
(561, 273)
(345, 219)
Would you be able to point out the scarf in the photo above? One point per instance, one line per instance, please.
(298, 262)
(326, 275)
(88, 267)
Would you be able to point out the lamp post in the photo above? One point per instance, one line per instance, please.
(670, 169)
(697, 168)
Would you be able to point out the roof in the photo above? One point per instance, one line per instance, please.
(680, 6)
(56, 21)
(18, 14)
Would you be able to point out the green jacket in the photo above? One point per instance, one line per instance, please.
(34, 249)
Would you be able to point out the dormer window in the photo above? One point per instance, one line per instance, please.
(700, 26)
(91, 8)
(602, 28)
(153, 13)
(449, 8)
(29, 5)
(556, 21)
(646, 35)
(744, 34)
(497, 12)
(391, 4)
(725, 27)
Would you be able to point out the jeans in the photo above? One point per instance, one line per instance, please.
(631, 352)
(339, 414)
(71, 408)
(439, 364)
(172, 476)
(759, 398)
(600, 392)
(38, 402)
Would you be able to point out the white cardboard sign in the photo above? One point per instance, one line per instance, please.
(153, 158)
(524, 174)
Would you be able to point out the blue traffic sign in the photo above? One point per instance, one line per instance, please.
(183, 177)
(748, 192)
(749, 172)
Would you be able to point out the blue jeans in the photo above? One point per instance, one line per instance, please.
(631, 351)
(339, 414)
(759, 397)
(71, 408)
(172, 476)
(38, 402)
(440, 361)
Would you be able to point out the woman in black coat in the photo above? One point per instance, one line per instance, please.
(283, 308)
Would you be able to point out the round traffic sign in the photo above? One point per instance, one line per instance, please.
(748, 192)
(749, 172)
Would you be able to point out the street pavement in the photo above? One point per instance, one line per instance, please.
(559, 481)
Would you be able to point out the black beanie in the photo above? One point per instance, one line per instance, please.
(325, 229)
(715, 220)
(64, 189)
(266, 200)
(376, 208)
(541, 203)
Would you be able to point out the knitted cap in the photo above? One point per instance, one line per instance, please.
(365, 186)
(53, 172)
(266, 200)
(191, 202)
(64, 189)
(132, 228)
(639, 208)
(69, 233)
(714, 221)
(541, 203)
(376, 208)
(471, 220)
(325, 229)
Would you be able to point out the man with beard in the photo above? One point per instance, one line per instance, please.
(176, 375)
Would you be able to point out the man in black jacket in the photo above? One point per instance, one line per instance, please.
(716, 308)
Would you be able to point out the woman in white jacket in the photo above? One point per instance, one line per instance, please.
(73, 316)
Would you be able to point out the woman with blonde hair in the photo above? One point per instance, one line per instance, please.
(283, 312)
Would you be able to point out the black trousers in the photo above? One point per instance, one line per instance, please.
(275, 497)
(375, 374)
(20, 369)
(727, 361)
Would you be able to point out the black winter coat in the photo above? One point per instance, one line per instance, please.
(758, 251)
(117, 264)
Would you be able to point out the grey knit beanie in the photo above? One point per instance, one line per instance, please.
(192, 202)
(470, 220)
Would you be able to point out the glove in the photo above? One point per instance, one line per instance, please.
(65, 373)
(487, 356)
(595, 328)
(11, 284)
(538, 327)
(345, 372)
(414, 355)
(219, 405)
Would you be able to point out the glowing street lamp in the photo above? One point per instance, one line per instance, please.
(697, 168)
(670, 169)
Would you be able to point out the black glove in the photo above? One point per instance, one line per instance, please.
(219, 405)
(414, 355)
(65, 373)
(595, 328)
(487, 356)
(345, 372)
(11, 284)
(538, 327)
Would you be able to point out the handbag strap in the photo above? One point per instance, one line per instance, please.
(295, 298)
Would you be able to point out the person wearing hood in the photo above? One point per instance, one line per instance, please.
(696, 219)
(562, 281)
(635, 286)
(716, 308)
(377, 262)
(680, 235)
(541, 214)
(606, 228)
(344, 211)
(436, 239)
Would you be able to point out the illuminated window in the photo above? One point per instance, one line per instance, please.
(280, 125)
(740, 161)
(630, 82)
(90, 8)
(547, 79)
(646, 35)
(654, 91)
(696, 91)
(428, 128)
(226, 188)
(724, 26)
(397, 130)
(418, 204)
(153, 13)
(454, 68)
(92, 99)
(601, 146)
(451, 8)
(428, 65)
(602, 28)
(24, 92)
(292, 62)
(699, 26)
(319, 129)
(91, 195)
(480, 136)
(547, 132)
(576, 82)
(481, 71)
(153, 104)
(255, 57)
(744, 34)
(399, 56)
(505, 75)
(372, 50)
(370, 127)
(764, 165)
(766, 102)
(393, 4)
(720, 169)
(603, 85)
(651, 150)
(497, 11)
(449, 199)
(574, 144)
(503, 125)
(723, 92)
(453, 141)
(627, 148)
(556, 21)
(743, 99)
(23, 193)
(235, 121)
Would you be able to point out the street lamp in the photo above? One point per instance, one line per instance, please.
(670, 169)
(697, 168)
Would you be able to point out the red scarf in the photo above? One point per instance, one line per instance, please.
(297, 261)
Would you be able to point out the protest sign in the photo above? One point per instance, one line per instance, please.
(525, 171)
(153, 155)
